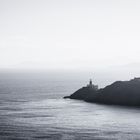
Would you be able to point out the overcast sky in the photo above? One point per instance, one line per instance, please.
(69, 34)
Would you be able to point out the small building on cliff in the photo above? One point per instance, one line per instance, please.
(92, 86)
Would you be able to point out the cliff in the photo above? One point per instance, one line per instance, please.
(119, 93)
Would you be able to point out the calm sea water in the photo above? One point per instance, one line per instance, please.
(32, 108)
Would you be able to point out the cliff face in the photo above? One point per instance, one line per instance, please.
(120, 92)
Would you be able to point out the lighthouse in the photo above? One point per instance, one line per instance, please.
(92, 86)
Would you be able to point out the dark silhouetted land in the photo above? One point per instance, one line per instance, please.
(118, 93)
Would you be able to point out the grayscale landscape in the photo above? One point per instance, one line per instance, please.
(69, 70)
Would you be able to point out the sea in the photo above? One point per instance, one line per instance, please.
(32, 108)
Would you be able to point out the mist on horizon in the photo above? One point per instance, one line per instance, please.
(88, 36)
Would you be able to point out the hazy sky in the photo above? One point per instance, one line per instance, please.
(69, 34)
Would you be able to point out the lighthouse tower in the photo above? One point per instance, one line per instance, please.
(92, 86)
(90, 83)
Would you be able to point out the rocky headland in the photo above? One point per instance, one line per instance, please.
(118, 93)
